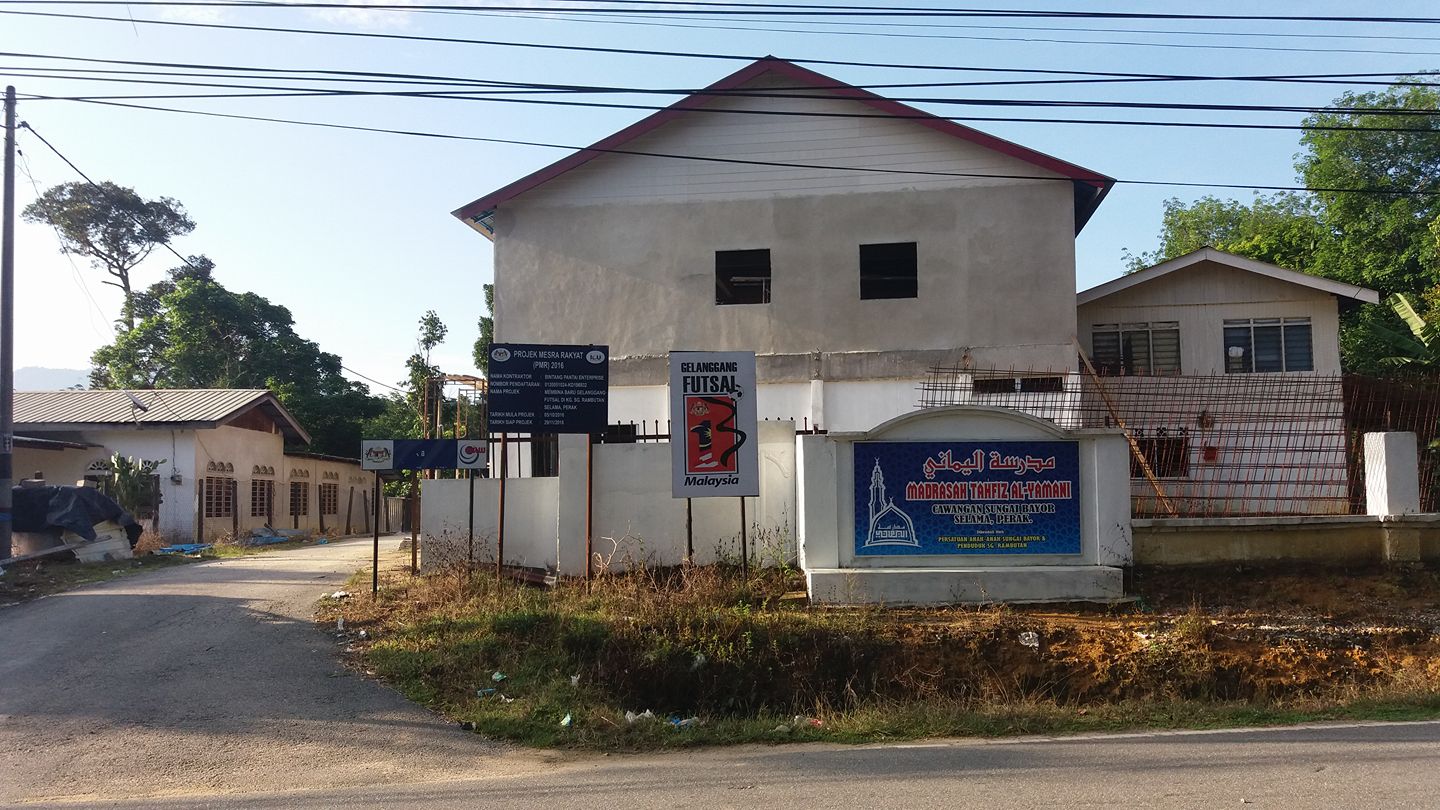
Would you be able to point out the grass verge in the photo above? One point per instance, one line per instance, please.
(752, 663)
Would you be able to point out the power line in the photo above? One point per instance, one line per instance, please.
(1092, 76)
(493, 43)
(920, 116)
(76, 275)
(768, 163)
(767, 27)
(26, 125)
(1051, 104)
(775, 9)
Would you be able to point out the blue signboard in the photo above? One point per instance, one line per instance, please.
(967, 498)
(424, 454)
(541, 388)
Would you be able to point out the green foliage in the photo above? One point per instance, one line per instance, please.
(487, 332)
(111, 225)
(1420, 348)
(1281, 229)
(195, 333)
(1389, 242)
(1383, 241)
(133, 486)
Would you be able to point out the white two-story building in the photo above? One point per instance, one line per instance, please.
(852, 242)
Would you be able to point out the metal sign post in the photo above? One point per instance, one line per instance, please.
(500, 533)
(385, 455)
(543, 390)
(713, 435)
(375, 551)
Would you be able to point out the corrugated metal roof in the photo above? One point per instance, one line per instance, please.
(195, 407)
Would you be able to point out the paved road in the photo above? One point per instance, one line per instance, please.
(209, 678)
(206, 686)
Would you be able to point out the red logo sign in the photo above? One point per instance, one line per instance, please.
(711, 440)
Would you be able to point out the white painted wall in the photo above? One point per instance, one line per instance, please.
(1203, 296)
(59, 467)
(531, 535)
(176, 519)
(622, 250)
(634, 517)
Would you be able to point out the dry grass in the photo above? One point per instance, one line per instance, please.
(746, 657)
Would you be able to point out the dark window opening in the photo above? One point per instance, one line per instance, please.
(994, 385)
(1264, 345)
(742, 276)
(620, 434)
(1125, 349)
(1042, 385)
(261, 494)
(1168, 458)
(888, 271)
(329, 499)
(1024, 385)
(299, 498)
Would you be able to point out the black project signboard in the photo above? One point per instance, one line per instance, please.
(539, 388)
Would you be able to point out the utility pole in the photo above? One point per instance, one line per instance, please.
(7, 332)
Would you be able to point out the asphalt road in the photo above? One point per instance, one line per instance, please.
(207, 686)
(209, 678)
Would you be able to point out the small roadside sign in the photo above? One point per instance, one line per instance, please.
(714, 446)
(543, 388)
(424, 454)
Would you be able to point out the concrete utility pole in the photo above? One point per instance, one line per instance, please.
(7, 332)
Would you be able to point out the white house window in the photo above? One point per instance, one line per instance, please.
(1258, 345)
(742, 276)
(1119, 349)
(889, 271)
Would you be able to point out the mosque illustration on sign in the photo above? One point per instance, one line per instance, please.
(888, 525)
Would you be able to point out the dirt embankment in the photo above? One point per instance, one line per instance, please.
(709, 644)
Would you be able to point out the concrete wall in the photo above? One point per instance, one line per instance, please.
(354, 490)
(634, 517)
(58, 466)
(1343, 540)
(575, 256)
(1203, 296)
(178, 449)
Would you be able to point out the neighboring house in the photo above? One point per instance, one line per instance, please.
(1226, 370)
(225, 468)
(937, 245)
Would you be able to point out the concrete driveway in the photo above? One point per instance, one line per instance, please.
(210, 678)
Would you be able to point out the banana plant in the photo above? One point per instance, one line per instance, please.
(1419, 348)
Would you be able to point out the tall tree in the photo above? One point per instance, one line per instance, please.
(195, 333)
(1282, 229)
(1386, 237)
(111, 225)
(487, 332)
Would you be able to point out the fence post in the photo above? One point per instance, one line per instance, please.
(1392, 488)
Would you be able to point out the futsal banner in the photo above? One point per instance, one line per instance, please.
(713, 440)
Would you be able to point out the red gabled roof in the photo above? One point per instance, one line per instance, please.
(1091, 187)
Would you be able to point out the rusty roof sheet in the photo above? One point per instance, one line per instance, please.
(168, 408)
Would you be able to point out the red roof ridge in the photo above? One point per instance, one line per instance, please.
(1085, 204)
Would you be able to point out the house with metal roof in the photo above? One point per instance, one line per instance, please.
(224, 468)
(853, 242)
(1204, 357)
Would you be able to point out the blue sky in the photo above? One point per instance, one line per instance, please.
(352, 230)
